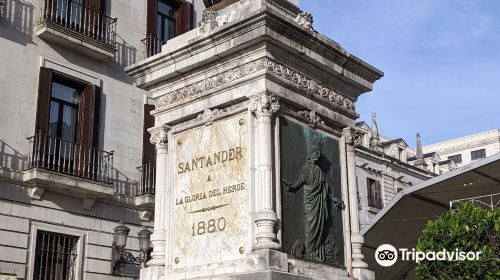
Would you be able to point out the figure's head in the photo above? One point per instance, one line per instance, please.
(315, 151)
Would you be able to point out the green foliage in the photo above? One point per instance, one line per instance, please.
(469, 229)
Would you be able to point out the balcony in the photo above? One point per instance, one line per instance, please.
(152, 44)
(144, 197)
(69, 167)
(148, 177)
(78, 27)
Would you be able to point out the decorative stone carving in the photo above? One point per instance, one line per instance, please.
(159, 136)
(306, 20)
(353, 137)
(208, 21)
(264, 64)
(314, 120)
(208, 115)
(263, 104)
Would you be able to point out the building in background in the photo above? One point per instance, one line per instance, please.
(467, 149)
(75, 157)
(382, 169)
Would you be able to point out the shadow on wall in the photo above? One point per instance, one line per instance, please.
(126, 54)
(10, 158)
(124, 185)
(18, 14)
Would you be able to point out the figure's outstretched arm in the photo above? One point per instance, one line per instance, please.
(300, 181)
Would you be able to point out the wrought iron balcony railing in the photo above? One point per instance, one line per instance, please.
(66, 157)
(153, 45)
(81, 19)
(148, 176)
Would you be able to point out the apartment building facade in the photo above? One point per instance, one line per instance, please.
(467, 149)
(75, 156)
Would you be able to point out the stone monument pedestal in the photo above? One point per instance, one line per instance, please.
(253, 130)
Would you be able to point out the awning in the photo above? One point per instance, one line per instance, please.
(401, 221)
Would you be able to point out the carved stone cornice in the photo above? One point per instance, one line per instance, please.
(265, 65)
(353, 137)
(263, 104)
(305, 20)
(314, 120)
(159, 136)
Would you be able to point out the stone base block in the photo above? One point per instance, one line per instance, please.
(267, 260)
(363, 274)
(268, 275)
(152, 273)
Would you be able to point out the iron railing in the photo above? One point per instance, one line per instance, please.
(153, 45)
(81, 19)
(148, 177)
(56, 256)
(67, 157)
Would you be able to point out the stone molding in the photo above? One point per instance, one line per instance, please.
(263, 104)
(159, 136)
(267, 65)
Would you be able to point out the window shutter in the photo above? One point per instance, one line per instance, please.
(43, 102)
(184, 18)
(147, 147)
(88, 116)
(151, 18)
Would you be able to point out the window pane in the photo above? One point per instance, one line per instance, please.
(69, 123)
(65, 93)
(170, 29)
(53, 117)
(166, 9)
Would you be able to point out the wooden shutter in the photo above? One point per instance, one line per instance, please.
(151, 11)
(184, 18)
(88, 116)
(43, 102)
(147, 147)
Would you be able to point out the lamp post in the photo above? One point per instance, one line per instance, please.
(120, 256)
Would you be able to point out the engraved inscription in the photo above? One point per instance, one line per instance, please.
(210, 194)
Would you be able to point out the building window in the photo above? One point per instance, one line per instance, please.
(479, 154)
(456, 158)
(64, 101)
(401, 154)
(55, 256)
(165, 20)
(398, 189)
(374, 194)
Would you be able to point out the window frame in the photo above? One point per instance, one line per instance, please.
(456, 156)
(60, 79)
(37, 226)
(368, 196)
(482, 153)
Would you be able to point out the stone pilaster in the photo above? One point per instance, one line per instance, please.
(352, 139)
(264, 106)
(159, 138)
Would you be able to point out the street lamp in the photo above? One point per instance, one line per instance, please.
(120, 256)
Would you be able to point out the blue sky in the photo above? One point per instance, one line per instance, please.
(441, 61)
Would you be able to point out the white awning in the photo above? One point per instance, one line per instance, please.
(401, 221)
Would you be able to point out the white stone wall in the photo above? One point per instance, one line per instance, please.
(390, 173)
(488, 140)
(121, 120)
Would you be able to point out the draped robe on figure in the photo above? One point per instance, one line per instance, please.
(316, 194)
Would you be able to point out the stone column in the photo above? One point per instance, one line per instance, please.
(159, 137)
(264, 106)
(359, 267)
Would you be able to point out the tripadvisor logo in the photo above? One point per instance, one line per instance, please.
(386, 255)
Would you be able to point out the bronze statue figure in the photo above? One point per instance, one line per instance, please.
(316, 198)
